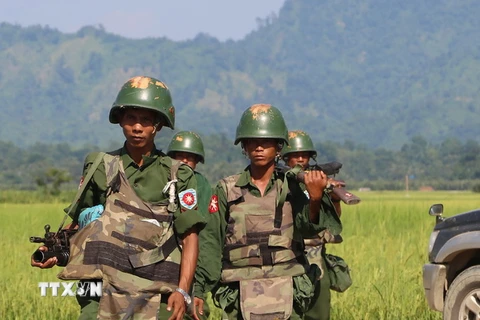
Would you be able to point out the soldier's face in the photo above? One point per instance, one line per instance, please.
(301, 158)
(261, 152)
(189, 158)
(139, 127)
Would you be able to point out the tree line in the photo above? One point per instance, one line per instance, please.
(449, 165)
(334, 68)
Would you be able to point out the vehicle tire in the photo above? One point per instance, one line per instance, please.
(463, 296)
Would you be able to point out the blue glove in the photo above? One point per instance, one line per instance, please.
(89, 214)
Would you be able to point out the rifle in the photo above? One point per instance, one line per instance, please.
(57, 243)
(335, 186)
(338, 188)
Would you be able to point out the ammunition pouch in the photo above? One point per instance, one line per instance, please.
(265, 299)
(338, 272)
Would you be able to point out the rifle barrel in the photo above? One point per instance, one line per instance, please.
(37, 239)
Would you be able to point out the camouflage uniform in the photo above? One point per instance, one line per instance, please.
(215, 234)
(134, 246)
(147, 184)
(256, 264)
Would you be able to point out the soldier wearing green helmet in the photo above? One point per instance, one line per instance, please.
(256, 265)
(187, 146)
(147, 200)
(262, 121)
(299, 143)
(187, 142)
(145, 93)
(299, 151)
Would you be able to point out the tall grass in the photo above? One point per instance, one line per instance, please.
(385, 244)
(19, 293)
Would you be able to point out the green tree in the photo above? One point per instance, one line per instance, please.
(51, 180)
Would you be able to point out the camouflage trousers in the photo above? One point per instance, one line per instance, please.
(89, 308)
(232, 310)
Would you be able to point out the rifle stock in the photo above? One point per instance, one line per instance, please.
(346, 197)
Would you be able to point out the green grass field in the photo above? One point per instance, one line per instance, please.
(385, 244)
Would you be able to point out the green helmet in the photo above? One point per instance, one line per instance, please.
(144, 92)
(262, 121)
(187, 141)
(299, 141)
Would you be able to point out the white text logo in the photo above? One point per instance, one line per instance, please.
(70, 289)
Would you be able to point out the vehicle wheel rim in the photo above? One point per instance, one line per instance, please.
(470, 307)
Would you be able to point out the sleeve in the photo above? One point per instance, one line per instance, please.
(328, 218)
(205, 191)
(187, 215)
(212, 239)
(95, 190)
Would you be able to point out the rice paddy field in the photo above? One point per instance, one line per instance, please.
(385, 245)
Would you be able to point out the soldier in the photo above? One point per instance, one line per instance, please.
(187, 146)
(299, 151)
(256, 249)
(150, 203)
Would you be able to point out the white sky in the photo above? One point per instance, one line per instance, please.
(175, 19)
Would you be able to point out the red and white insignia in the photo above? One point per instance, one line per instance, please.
(81, 182)
(188, 198)
(213, 206)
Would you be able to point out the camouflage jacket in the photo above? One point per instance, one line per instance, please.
(132, 246)
(147, 182)
(208, 272)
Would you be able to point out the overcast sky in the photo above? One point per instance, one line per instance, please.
(177, 19)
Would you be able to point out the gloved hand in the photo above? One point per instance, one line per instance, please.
(89, 214)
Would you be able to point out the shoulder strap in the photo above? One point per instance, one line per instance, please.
(282, 195)
(112, 167)
(232, 193)
(174, 169)
(170, 187)
(81, 190)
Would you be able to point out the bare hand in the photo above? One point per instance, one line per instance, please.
(49, 263)
(197, 307)
(177, 303)
(316, 182)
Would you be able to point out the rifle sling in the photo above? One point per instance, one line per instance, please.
(81, 190)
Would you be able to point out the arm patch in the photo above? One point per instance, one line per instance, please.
(188, 198)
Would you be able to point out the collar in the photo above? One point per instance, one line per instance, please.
(245, 179)
(147, 160)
